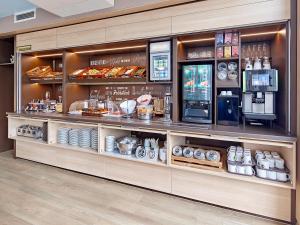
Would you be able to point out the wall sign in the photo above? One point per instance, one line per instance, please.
(24, 48)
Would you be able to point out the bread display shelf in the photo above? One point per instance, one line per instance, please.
(46, 81)
(108, 81)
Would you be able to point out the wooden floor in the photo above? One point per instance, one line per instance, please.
(32, 193)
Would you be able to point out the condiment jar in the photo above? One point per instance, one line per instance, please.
(266, 63)
(257, 64)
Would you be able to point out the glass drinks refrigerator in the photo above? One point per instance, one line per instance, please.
(197, 93)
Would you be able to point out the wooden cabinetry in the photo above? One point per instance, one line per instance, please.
(221, 14)
(40, 40)
(198, 16)
(81, 34)
(251, 194)
(143, 29)
(255, 198)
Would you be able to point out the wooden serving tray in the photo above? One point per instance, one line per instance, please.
(201, 164)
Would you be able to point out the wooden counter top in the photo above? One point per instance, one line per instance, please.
(239, 131)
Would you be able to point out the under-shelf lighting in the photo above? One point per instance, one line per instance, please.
(110, 49)
(197, 40)
(259, 34)
(49, 55)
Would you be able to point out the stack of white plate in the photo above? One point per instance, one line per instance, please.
(85, 138)
(110, 142)
(74, 137)
(94, 139)
(63, 135)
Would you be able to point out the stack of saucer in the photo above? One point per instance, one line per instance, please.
(63, 135)
(74, 137)
(94, 139)
(85, 138)
(110, 143)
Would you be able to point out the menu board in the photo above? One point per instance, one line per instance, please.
(123, 92)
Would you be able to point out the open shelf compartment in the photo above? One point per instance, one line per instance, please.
(285, 149)
(140, 133)
(54, 126)
(15, 122)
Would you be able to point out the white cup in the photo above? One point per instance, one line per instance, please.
(271, 162)
(259, 156)
(240, 169)
(188, 152)
(239, 148)
(264, 164)
(232, 168)
(258, 152)
(249, 170)
(231, 156)
(199, 154)
(279, 163)
(147, 142)
(163, 154)
(261, 173)
(247, 160)
(272, 175)
(274, 153)
(268, 156)
(223, 93)
(177, 150)
(283, 176)
(247, 151)
(276, 156)
(232, 148)
(229, 93)
(267, 153)
(239, 155)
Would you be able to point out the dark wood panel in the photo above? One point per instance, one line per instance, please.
(6, 49)
(74, 93)
(6, 91)
(279, 61)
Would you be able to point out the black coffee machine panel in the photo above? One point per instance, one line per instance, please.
(228, 110)
(197, 93)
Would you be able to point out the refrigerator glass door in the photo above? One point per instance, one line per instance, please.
(197, 82)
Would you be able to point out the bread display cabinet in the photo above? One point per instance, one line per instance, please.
(42, 79)
(192, 115)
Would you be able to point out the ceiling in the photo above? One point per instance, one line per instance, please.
(62, 8)
(10, 7)
(66, 8)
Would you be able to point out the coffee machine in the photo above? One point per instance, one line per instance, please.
(197, 93)
(259, 92)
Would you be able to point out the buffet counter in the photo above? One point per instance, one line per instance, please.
(168, 174)
(231, 131)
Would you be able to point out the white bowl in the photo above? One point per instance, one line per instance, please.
(128, 106)
(144, 99)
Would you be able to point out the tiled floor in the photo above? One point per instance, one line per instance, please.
(32, 193)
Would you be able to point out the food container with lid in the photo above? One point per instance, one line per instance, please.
(145, 112)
